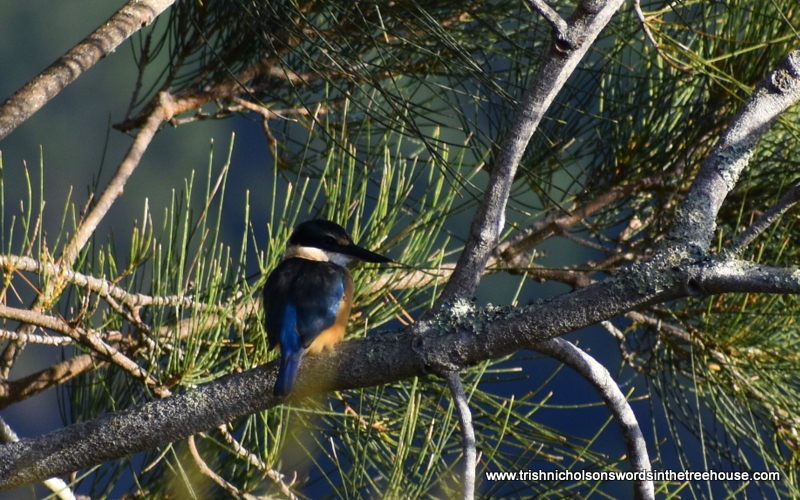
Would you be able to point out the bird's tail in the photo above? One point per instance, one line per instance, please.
(287, 374)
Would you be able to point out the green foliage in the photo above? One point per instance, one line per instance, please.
(385, 117)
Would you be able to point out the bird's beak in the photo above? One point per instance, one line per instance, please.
(359, 253)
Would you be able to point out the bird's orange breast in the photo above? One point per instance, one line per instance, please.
(328, 338)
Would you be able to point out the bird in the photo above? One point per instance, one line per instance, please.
(308, 296)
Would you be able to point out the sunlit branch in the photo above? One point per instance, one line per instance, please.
(34, 338)
(546, 83)
(695, 221)
(206, 471)
(470, 454)
(637, 7)
(275, 476)
(131, 18)
(85, 337)
(54, 484)
(88, 223)
(103, 288)
(165, 110)
(602, 381)
(55, 375)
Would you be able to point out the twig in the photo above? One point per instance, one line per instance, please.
(275, 476)
(103, 288)
(162, 112)
(638, 8)
(35, 339)
(35, 383)
(239, 449)
(560, 221)
(131, 18)
(206, 471)
(551, 16)
(272, 114)
(85, 337)
(35, 318)
(467, 432)
(597, 375)
(740, 242)
(659, 325)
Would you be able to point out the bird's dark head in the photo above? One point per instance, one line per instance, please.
(325, 240)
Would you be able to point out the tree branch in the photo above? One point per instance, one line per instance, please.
(132, 17)
(101, 287)
(274, 475)
(206, 471)
(35, 383)
(84, 337)
(637, 7)
(467, 432)
(34, 338)
(54, 484)
(460, 335)
(769, 217)
(602, 381)
(88, 224)
(560, 27)
(695, 221)
(164, 111)
(560, 221)
(455, 342)
(740, 276)
(546, 82)
(463, 337)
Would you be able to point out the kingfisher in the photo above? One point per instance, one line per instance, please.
(308, 296)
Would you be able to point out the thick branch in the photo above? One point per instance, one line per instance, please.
(695, 221)
(55, 484)
(459, 337)
(373, 361)
(585, 25)
(740, 276)
(463, 338)
(134, 16)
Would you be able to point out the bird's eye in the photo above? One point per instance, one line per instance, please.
(330, 240)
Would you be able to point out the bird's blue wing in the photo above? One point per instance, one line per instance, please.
(317, 293)
(275, 301)
(291, 352)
